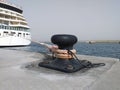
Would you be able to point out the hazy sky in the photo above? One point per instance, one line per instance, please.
(87, 19)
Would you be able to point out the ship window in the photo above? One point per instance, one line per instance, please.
(6, 11)
(7, 17)
(5, 22)
(5, 33)
(12, 33)
(2, 27)
(18, 28)
(5, 27)
(10, 28)
(19, 34)
(14, 28)
(23, 34)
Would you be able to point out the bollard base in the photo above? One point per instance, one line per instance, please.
(66, 65)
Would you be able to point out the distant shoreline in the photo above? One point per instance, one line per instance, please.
(101, 41)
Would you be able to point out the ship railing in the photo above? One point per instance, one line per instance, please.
(6, 27)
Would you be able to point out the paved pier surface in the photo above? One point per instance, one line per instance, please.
(19, 71)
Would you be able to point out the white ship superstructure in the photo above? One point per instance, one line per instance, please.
(14, 30)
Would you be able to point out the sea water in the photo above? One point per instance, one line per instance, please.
(95, 49)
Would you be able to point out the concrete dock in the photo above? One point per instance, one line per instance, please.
(19, 71)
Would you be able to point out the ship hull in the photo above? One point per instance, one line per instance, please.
(13, 41)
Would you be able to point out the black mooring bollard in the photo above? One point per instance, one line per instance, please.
(65, 59)
(64, 41)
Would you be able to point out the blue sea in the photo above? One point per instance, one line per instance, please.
(95, 49)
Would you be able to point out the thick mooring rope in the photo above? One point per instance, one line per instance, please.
(64, 54)
(85, 63)
(68, 54)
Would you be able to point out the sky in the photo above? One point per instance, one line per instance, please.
(86, 19)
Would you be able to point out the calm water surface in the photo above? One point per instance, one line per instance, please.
(96, 49)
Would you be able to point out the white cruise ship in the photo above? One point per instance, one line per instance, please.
(14, 30)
